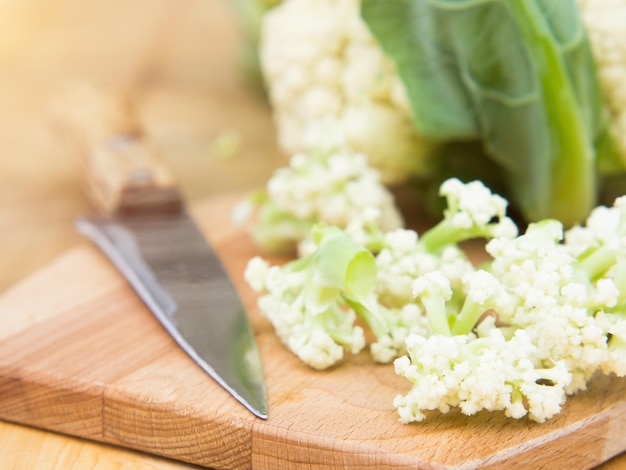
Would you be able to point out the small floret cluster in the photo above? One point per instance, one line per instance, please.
(325, 186)
(313, 302)
(517, 333)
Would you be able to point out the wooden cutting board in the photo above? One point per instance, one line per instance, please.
(80, 354)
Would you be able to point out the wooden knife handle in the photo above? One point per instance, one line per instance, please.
(123, 174)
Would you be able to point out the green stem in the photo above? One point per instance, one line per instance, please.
(467, 317)
(372, 315)
(595, 264)
(445, 234)
(437, 315)
(440, 235)
(569, 188)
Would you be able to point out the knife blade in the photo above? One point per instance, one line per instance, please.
(147, 233)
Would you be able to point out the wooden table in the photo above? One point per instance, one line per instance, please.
(185, 56)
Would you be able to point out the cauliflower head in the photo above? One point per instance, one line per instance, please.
(325, 70)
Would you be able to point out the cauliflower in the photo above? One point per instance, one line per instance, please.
(401, 82)
(308, 303)
(564, 302)
(322, 187)
(313, 302)
(551, 299)
(305, 325)
(605, 21)
(476, 374)
(517, 334)
(323, 70)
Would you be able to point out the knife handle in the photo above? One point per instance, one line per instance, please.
(123, 173)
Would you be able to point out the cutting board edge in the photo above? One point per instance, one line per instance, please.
(85, 410)
(324, 452)
(582, 443)
(123, 424)
(69, 404)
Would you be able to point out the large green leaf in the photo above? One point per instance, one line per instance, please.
(518, 74)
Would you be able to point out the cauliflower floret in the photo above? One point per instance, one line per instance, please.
(324, 69)
(323, 187)
(402, 322)
(307, 310)
(402, 260)
(558, 289)
(534, 266)
(605, 21)
(473, 212)
(473, 374)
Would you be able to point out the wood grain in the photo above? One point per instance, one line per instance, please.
(90, 360)
(47, 44)
(45, 450)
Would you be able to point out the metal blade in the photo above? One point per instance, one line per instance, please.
(180, 278)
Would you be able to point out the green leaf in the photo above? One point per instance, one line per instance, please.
(340, 265)
(415, 36)
(518, 74)
(343, 264)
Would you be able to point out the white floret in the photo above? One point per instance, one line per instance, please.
(606, 293)
(489, 373)
(316, 349)
(333, 188)
(401, 261)
(555, 306)
(256, 272)
(425, 369)
(401, 241)
(569, 335)
(317, 332)
(605, 21)
(534, 266)
(481, 286)
(544, 401)
(323, 68)
(601, 227)
(472, 203)
(434, 285)
(408, 320)
(575, 293)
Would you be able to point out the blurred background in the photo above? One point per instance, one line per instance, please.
(183, 59)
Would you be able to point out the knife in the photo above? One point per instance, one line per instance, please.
(148, 235)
